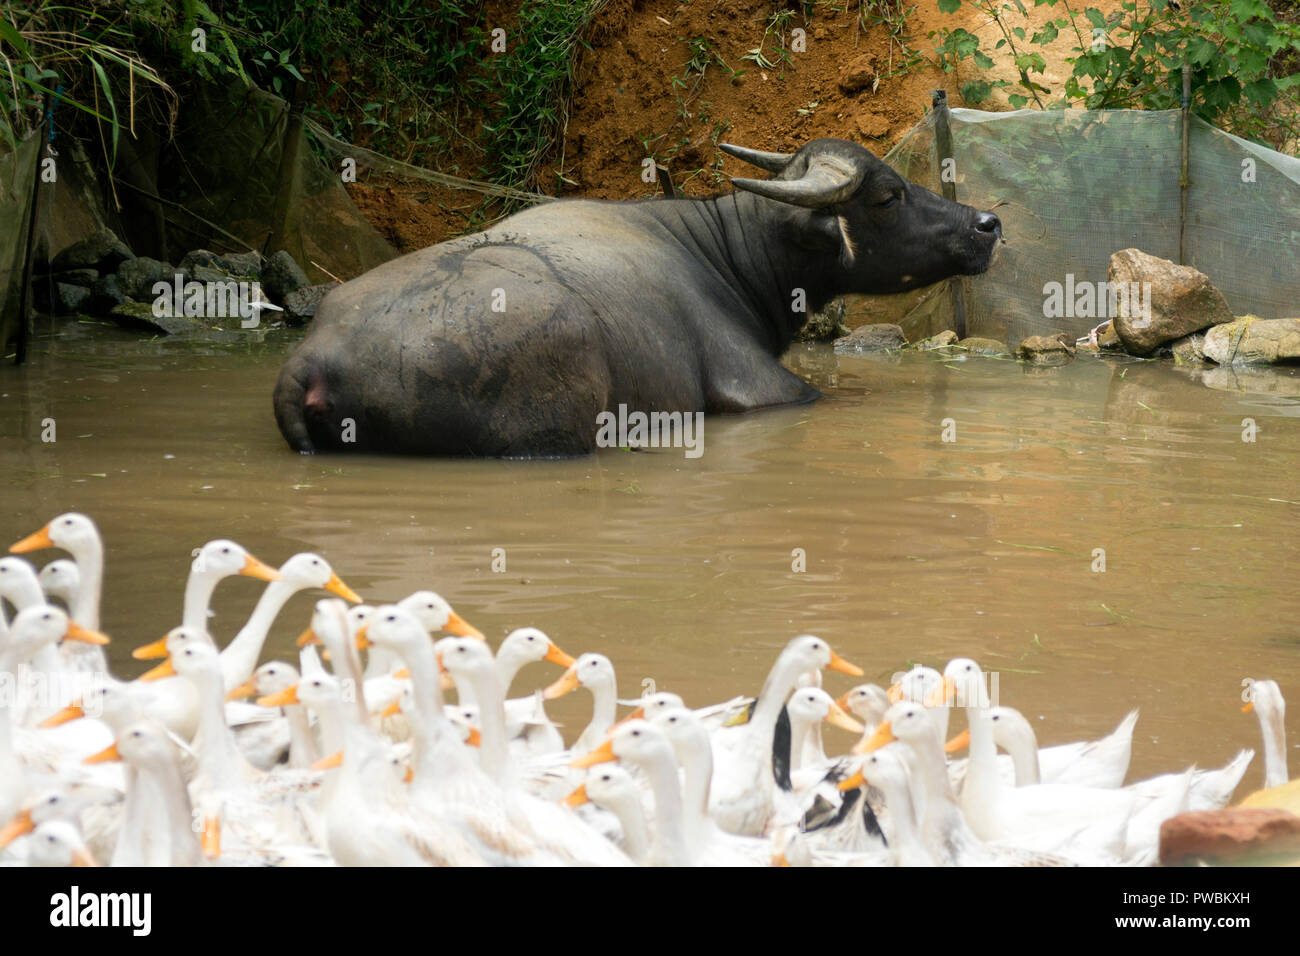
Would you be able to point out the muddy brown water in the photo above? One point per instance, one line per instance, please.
(917, 549)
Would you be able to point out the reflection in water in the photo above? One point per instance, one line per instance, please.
(917, 548)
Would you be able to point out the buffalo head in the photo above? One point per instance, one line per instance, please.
(891, 235)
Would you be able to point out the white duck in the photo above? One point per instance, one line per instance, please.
(78, 535)
(369, 819)
(157, 821)
(594, 672)
(809, 707)
(42, 685)
(28, 756)
(271, 745)
(301, 572)
(612, 788)
(471, 664)
(1099, 763)
(58, 843)
(744, 789)
(60, 579)
(944, 832)
(648, 748)
(262, 812)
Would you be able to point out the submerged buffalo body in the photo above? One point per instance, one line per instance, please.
(512, 341)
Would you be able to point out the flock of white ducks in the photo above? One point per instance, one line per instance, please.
(211, 759)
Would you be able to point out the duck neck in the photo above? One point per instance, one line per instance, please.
(1273, 726)
(636, 837)
(781, 681)
(982, 769)
(604, 709)
(508, 667)
(199, 588)
(696, 758)
(90, 567)
(1023, 747)
(492, 723)
(906, 845)
(219, 758)
(239, 657)
(672, 846)
(302, 748)
(185, 848)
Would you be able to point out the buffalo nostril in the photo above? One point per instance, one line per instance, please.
(987, 222)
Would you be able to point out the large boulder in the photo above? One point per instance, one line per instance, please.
(105, 294)
(82, 277)
(1254, 341)
(1046, 349)
(1230, 835)
(880, 337)
(102, 251)
(282, 275)
(197, 257)
(300, 305)
(138, 276)
(247, 264)
(139, 316)
(1183, 301)
(70, 299)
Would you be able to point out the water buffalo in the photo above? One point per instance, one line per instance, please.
(510, 342)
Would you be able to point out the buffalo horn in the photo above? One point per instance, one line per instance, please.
(828, 180)
(772, 162)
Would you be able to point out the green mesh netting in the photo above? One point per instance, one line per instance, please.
(237, 163)
(1077, 186)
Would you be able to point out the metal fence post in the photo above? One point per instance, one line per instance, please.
(943, 151)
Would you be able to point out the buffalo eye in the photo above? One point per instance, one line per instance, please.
(888, 203)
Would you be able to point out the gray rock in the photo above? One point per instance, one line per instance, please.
(240, 263)
(1189, 350)
(139, 316)
(104, 295)
(69, 299)
(979, 346)
(202, 273)
(137, 277)
(872, 338)
(102, 251)
(300, 305)
(197, 257)
(82, 277)
(939, 341)
(1046, 349)
(281, 275)
(1183, 300)
(1254, 341)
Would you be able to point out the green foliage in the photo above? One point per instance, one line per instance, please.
(1244, 56)
(82, 56)
(409, 78)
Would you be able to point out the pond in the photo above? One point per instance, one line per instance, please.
(939, 506)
